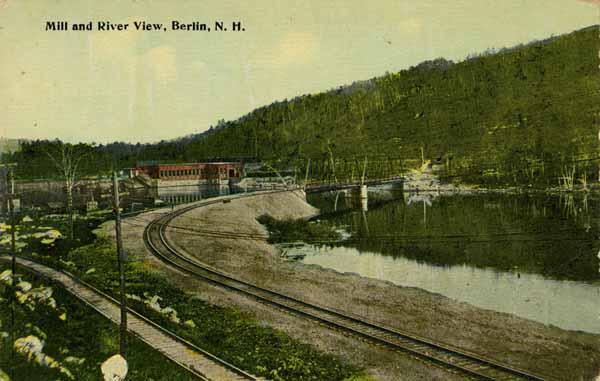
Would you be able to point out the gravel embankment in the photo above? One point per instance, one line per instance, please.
(525, 344)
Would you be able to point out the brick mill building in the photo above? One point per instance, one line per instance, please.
(209, 172)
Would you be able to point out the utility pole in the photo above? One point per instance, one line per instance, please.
(306, 175)
(12, 182)
(598, 5)
(13, 269)
(8, 190)
(11, 210)
(121, 262)
(362, 180)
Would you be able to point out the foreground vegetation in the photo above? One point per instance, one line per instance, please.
(300, 230)
(226, 333)
(67, 340)
(518, 116)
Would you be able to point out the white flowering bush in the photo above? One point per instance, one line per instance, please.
(115, 368)
(29, 296)
(32, 348)
(153, 302)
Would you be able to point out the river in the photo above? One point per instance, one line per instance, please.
(533, 256)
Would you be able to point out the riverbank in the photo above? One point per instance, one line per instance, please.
(382, 364)
(425, 179)
(545, 349)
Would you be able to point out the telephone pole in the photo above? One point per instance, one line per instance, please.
(11, 211)
(362, 179)
(306, 175)
(121, 262)
(13, 268)
(7, 187)
(598, 5)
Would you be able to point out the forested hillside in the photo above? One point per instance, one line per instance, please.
(526, 115)
(522, 115)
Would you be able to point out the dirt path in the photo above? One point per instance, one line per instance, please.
(526, 344)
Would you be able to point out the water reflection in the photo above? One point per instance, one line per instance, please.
(534, 256)
(51, 197)
(186, 194)
(553, 236)
(566, 304)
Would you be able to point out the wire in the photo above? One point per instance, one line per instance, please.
(388, 238)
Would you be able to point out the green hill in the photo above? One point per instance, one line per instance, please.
(524, 115)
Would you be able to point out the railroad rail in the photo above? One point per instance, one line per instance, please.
(202, 364)
(443, 355)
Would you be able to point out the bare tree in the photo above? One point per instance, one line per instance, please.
(66, 159)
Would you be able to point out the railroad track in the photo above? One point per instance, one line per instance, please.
(445, 356)
(141, 326)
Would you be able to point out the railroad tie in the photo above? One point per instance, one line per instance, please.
(203, 365)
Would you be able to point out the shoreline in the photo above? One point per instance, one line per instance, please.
(379, 363)
(520, 342)
(425, 180)
(586, 319)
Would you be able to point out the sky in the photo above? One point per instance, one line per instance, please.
(144, 86)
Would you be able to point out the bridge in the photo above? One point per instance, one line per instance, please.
(316, 187)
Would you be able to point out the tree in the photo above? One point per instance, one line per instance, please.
(66, 158)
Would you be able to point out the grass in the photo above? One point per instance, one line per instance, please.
(83, 335)
(281, 231)
(229, 334)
